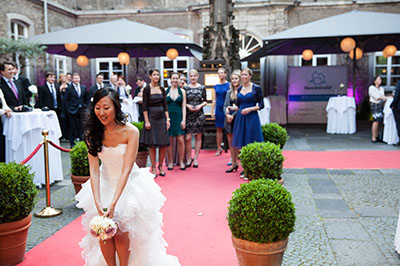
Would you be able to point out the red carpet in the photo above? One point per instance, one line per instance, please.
(200, 240)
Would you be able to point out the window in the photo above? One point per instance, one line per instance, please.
(179, 64)
(317, 60)
(108, 67)
(60, 65)
(19, 30)
(248, 45)
(388, 69)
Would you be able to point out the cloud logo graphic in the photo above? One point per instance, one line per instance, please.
(317, 78)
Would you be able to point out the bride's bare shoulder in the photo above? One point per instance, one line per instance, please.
(130, 130)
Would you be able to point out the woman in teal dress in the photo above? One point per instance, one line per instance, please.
(176, 100)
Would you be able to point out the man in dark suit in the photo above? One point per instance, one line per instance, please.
(13, 91)
(396, 109)
(99, 84)
(25, 84)
(75, 99)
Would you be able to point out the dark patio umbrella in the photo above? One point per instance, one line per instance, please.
(108, 39)
(371, 30)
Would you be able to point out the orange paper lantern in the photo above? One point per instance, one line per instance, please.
(359, 53)
(123, 58)
(82, 61)
(390, 50)
(307, 54)
(172, 53)
(71, 47)
(347, 44)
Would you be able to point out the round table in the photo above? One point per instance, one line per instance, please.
(389, 130)
(23, 132)
(341, 113)
(265, 113)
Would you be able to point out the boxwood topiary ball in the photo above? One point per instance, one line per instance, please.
(262, 160)
(79, 159)
(274, 133)
(261, 211)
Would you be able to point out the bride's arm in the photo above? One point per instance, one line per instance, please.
(95, 181)
(129, 160)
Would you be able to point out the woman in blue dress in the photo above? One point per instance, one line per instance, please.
(217, 107)
(247, 126)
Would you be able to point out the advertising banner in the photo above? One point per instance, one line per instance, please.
(309, 89)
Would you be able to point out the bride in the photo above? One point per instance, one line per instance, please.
(120, 190)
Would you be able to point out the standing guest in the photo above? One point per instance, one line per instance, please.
(376, 97)
(138, 92)
(395, 105)
(176, 100)
(75, 102)
(196, 99)
(123, 95)
(4, 110)
(25, 83)
(247, 126)
(69, 78)
(49, 94)
(113, 82)
(99, 84)
(182, 81)
(156, 121)
(231, 101)
(64, 122)
(13, 91)
(217, 107)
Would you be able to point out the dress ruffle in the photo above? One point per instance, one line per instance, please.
(137, 212)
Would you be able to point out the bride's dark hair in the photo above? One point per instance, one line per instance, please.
(94, 129)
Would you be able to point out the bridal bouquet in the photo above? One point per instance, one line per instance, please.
(128, 89)
(102, 228)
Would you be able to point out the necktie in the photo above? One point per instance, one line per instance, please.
(13, 89)
(53, 91)
(78, 90)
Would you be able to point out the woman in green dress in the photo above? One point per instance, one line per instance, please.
(176, 100)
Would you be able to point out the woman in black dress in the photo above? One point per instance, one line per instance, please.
(156, 121)
(195, 118)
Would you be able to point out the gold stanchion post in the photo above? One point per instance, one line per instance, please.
(48, 211)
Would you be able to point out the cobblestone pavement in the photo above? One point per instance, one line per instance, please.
(344, 217)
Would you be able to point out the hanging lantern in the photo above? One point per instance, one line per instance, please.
(82, 61)
(307, 54)
(347, 44)
(71, 47)
(123, 58)
(359, 53)
(390, 50)
(172, 53)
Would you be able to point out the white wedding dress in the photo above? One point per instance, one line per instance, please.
(137, 212)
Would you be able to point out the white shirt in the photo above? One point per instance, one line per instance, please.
(375, 93)
(3, 101)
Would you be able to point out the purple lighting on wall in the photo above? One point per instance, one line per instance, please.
(359, 92)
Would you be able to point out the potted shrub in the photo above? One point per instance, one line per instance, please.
(261, 216)
(274, 133)
(17, 199)
(262, 160)
(143, 152)
(79, 165)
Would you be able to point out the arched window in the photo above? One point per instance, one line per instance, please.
(19, 30)
(248, 45)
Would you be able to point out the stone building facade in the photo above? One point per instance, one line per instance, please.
(187, 18)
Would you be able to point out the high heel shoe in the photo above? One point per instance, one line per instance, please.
(189, 164)
(230, 170)
(161, 173)
(196, 165)
(170, 168)
(183, 168)
(219, 152)
(153, 169)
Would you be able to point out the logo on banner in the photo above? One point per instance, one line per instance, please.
(317, 82)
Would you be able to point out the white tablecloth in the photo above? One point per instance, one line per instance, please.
(265, 113)
(341, 115)
(389, 130)
(132, 109)
(23, 132)
(278, 109)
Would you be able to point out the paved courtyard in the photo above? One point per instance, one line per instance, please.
(344, 217)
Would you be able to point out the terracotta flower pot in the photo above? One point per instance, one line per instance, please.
(256, 254)
(141, 158)
(78, 181)
(13, 241)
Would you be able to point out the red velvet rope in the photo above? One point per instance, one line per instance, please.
(58, 147)
(32, 154)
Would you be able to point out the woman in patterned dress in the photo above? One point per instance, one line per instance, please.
(195, 118)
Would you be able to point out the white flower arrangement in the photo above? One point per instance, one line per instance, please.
(128, 89)
(102, 228)
(33, 89)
